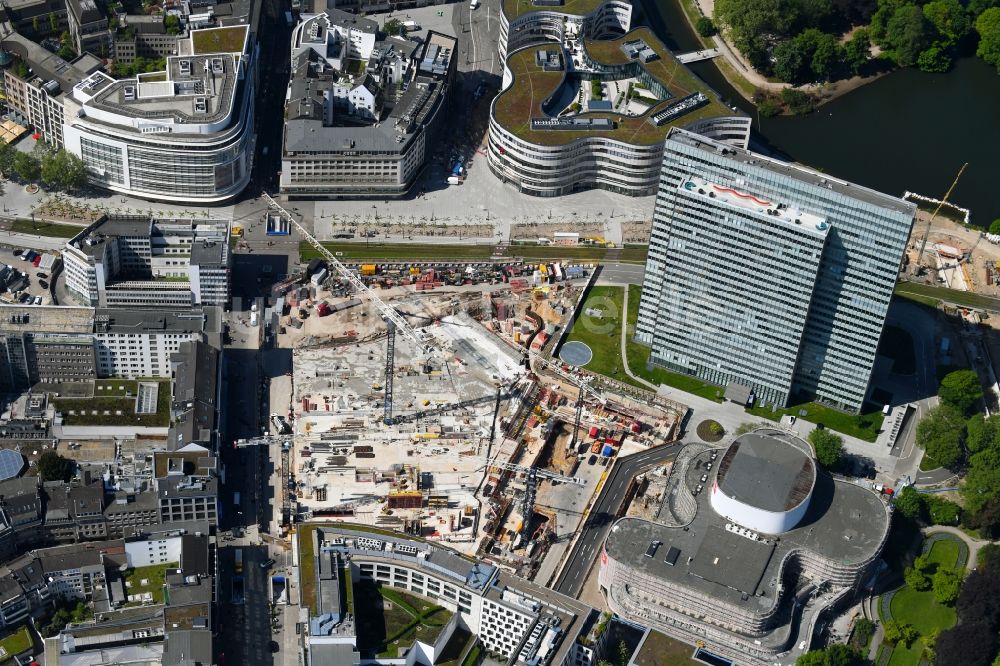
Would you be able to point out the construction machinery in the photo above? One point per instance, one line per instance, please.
(927, 232)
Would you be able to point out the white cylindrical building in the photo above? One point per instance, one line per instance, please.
(764, 483)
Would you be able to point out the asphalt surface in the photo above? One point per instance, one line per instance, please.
(595, 529)
(615, 273)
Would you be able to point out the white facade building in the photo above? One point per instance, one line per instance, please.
(184, 134)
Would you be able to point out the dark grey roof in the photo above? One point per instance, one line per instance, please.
(766, 472)
(194, 555)
(310, 135)
(207, 253)
(45, 65)
(195, 386)
(120, 320)
(333, 654)
(187, 648)
(349, 20)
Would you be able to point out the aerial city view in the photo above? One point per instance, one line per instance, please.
(502, 332)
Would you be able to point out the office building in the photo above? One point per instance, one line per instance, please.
(766, 276)
(360, 113)
(583, 106)
(518, 621)
(743, 535)
(133, 261)
(184, 134)
(186, 484)
(88, 27)
(51, 344)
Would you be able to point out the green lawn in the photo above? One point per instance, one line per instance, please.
(660, 650)
(114, 401)
(638, 355)
(376, 252)
(156, 577)
(404, 618)
(864, 426)
(307, 566)
(903, 656)
(16, 643)
(897, 344)
(930, 295)
(472, 658)
(602, 334)
(944, 553)
(39, 228)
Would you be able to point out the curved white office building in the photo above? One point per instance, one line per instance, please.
(527, 22)
(594, 113)
(184, 134)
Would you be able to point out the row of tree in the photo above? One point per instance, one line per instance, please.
(820, 40)
(973, 641)
(57, 169)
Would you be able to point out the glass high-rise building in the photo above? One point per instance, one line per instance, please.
(768, 275)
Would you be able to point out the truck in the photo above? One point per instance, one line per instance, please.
(411, 26)
(473, 4)
(318, 277)
(454, 180)
(239, 560)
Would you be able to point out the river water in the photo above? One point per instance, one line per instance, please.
(909, 130)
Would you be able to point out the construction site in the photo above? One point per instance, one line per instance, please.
(445, 414)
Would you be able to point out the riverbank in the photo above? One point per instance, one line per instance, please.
(743, 78)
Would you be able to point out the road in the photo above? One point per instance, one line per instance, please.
(602, 515)
(621, 274)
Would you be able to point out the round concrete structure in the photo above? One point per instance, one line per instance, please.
(764, 483)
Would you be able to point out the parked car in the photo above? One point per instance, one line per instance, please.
(43, 284)
(42, 275)
(38, 300)
(591, 460)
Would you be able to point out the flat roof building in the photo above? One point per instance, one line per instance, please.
(184, 134)
(768, 275)
(359, 112)
(727, 557)
(592, 110)
(134, 261)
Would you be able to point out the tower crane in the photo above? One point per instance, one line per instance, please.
(927, 232)
(524, 469)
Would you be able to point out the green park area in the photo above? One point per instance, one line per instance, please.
(151, 579)
(390, 620)
(931, 295)
(864, 426)
(917, 614)
(114, 404)
(15, 644)
(39, 228)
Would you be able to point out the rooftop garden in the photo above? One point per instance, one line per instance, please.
(307, 567)
(113, 406)
(219, 40)
(148, 580)
(514, 8)
(515, 107)
(390, 620)
(18, 642)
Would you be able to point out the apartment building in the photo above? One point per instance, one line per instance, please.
(74, 512)
(350, 135)
(197, 397)
(39, 97)
(768, 276)
(134, 261)
(88, 27)
(185, 134)
(186, 484)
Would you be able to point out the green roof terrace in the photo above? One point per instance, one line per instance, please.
(514, 8)
(219, 40)
(515, 107)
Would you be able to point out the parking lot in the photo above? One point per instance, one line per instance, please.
(25, 276)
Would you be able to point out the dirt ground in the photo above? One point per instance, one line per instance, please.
(948, 232)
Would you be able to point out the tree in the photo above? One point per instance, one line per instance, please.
(897, 633)
(907, 34)
(950, 21)
(53, 22)
(791, 61)
(827, 58)
(981, 433)
(53, 467)
(36, 25)
(748, 22)
(26, 167)
(864, 629)
(961, 389)
(947, 583)
(909, 504)
(935, 58)
(66, 50)
(966, 644)
(988, 27)
(916, 579)
(940, 435)
(995, 227)
(829, 447)
(705, 26)
(857, 50)
(172, 24)
(7, 154)
(394, 27)
(63, 170)
(812, 658)
(941, 511)
(798, 101)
